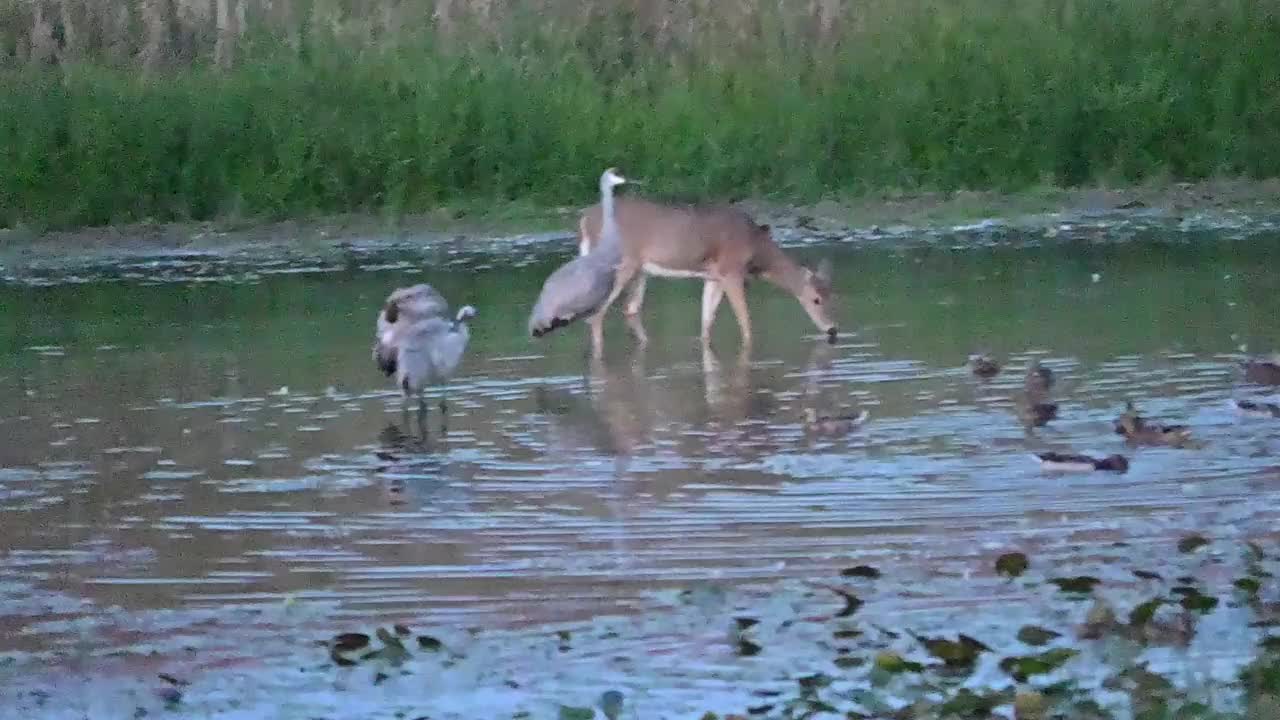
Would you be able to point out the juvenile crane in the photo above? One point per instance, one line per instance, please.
(418, 343)
(580, 287)
(717, 243)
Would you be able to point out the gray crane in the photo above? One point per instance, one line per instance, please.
(419, 344)
(580, 287)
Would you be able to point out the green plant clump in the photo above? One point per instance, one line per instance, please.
(315, 117)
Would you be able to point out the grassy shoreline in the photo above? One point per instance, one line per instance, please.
(921, 95)
(326, 234)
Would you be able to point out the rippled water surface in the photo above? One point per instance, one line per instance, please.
(192, 435)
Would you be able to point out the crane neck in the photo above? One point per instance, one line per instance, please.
(609, 221)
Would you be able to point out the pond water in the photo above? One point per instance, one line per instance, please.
(191, 434)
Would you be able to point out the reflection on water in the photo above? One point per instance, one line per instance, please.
(219, 441)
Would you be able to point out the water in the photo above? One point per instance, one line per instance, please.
(188, 442)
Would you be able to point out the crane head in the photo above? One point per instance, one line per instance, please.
(612, 178)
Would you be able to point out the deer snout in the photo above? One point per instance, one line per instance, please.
(832, 332)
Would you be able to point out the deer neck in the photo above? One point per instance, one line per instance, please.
(782, 271)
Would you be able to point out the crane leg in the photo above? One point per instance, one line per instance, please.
(422, 415)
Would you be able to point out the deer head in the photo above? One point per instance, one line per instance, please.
(815, 296)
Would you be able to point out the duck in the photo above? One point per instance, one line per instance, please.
(1064, 462)
(1038, 379)
(1262, 371)
(833, 424)
(1037, 414)
(1260, 409)
(984, 366)
(1138, 431)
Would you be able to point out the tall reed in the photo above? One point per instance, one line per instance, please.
(308, 107)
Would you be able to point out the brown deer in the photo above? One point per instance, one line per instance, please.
(718, 243)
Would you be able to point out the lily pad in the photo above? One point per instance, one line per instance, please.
(1077, 584)
(1012, 564)
(1030, 705)
(1147, 575)
(1144, 611)
(1199, 603)
(968, 704)
(1021, 668)
(1036, 635)
(1191, 543)
(959, 653)
(575, 713)
(1248, 585)
(816, 681)
(891, 662)
(430, 644)
(746, 648)
(861, 571)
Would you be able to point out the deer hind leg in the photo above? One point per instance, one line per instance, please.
(733, 287)
(712, 294)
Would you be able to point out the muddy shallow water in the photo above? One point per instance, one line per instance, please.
(185, 442)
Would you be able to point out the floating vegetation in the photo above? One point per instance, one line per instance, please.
(429, 644)
(860, 571)
(1077, 584)
(1012, 564)
(1036, 636)
(1191, 543)
(1022, 668)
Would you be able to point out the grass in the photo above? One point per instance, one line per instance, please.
(916, 95)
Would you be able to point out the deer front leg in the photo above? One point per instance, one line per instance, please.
(733, 287)
(622, 276)
(712, 294)
(637, 295)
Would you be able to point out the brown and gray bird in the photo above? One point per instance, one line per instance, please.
(1262, 371)
(418, 343)
(984, 365)
(1038, 380)
(581, 286)
(1065, 462)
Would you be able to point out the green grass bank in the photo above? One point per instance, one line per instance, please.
(312, 117)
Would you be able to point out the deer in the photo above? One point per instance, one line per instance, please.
(720, 244)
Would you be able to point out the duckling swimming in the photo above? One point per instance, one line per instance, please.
(832, 424)
(984, 366)
(1139, 432)
(1038, 379)
(1262, 371)
(1037, 414)
(1063, 462)
(1260, 409)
